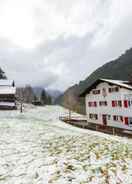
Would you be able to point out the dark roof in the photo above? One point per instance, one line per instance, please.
(124, 84)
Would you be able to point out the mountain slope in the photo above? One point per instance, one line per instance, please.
(120, 68)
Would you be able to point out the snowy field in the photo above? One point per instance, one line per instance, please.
(36, 148)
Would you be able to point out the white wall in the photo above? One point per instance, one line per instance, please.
(119, 111)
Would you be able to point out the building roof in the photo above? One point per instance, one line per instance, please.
(7, 90)
(5, 82)
(6, 87)
(124, 84)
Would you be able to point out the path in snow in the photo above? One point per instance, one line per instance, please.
(36, 148)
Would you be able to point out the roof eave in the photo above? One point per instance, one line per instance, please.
(87, 90)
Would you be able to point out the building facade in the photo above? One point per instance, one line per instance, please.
(7, 95)
(109, 103)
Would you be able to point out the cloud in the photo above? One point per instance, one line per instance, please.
(56, 44)
(26, 67)
(69, 17)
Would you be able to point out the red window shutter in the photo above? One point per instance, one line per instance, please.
(95, 104)
(113, 103)
(126, 120)
(125, 103)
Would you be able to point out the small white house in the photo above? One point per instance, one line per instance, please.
(109, 103)
(7, 94)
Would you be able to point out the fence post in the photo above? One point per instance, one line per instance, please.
(113, 129)
(21, 110)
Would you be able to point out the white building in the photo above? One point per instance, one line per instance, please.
(7, 94)
(109, 103)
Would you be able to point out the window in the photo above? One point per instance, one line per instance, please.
(125, 103)
(113, 103)
(92, 104)
(93, 116)
(120, 103)
(89, 104)
(95, 104)
(129, 103)
(103, 103)
(116, 103)
(95, 92)
(90, 116)
(121, 118)
(96, 116)
(109, 117)
(118, 118)
(115, 118)
(114, 89)
(109, 90)
(130, 121)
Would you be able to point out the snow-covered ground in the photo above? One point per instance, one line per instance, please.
(36, 148)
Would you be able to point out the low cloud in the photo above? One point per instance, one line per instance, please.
(62, 41)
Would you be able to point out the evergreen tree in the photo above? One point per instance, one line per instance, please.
(28, 94)
(2, 74)
(43, 97)
(49, 100)
(35, 98)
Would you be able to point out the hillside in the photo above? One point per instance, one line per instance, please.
(120, 68)
(54, 94)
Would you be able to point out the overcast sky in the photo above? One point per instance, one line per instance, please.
(57, 43)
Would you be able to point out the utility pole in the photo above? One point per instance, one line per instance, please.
(69, 114)
(20, 98)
